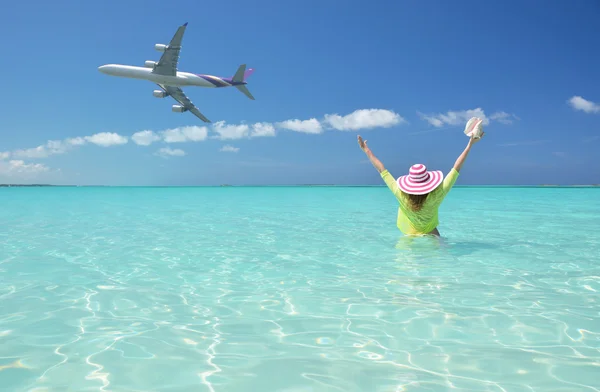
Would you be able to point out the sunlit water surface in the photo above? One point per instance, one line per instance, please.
(297, 289)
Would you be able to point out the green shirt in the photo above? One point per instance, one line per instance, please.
(426, 219)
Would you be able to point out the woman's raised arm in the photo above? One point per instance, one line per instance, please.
(374, 161)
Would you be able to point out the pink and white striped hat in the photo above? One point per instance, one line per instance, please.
(419, 181)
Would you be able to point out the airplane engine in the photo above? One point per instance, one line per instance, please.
(159, 93)
(179, 109)
(160, 47)
(149, 64)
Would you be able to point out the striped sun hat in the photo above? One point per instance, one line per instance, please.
(419, 181)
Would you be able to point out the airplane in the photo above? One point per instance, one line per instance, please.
(165, 74)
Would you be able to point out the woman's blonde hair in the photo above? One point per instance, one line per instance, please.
(416, 202)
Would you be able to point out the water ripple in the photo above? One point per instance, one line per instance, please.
(268, 289)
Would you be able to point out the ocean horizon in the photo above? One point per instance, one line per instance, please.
(294, 185)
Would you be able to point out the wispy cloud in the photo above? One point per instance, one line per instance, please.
(167, 152)
(51, 147)
(262, 130)
(17, 166)
(228, 148)
(504, 118)
(305, 126)
(55, 147)
(185, 134)
(460, 117)
(559, 154)
(579, 103)
(224, 131)
(231, 131)
(145, 138)
(357, 120)
(524, 143)
(454, 117)
(104, 139)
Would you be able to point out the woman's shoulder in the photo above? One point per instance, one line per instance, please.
(436, 195)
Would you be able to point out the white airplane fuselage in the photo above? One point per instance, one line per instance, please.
(180, 80)
(171, 82)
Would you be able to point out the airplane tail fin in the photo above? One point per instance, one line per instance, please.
(240, 76)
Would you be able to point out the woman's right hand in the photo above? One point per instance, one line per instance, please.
(362, 144)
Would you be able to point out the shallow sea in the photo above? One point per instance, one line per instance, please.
(297, 289)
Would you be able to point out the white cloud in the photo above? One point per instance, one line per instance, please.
(436, 122)
(17, 171)
(35, 152)
(52, 147)
(22, 167)
(234, 132)
(106, 139)
(262, 129)
(75, 141)
(57, 146)
(166, 152)
(307, 126)
(17, 166)
(359, 119)
(503, 117)
(579, 103)
(231, 132)
(364, 118)
(145, 138)
(460, 117)
(229, 148)
(454, 117)
(185, 134)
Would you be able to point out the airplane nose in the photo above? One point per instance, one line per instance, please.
(102, 68)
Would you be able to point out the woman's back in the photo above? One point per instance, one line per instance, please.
(421, 192)
(425, 219)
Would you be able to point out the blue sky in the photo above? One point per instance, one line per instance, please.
(424, 67)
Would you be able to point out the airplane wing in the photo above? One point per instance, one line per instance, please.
(167, 65)
(180, 97)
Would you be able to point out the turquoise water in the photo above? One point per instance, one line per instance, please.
(297, 289)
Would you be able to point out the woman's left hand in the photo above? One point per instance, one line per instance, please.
(474, 139)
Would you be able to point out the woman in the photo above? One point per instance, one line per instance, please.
(420, 192)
